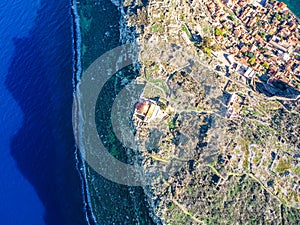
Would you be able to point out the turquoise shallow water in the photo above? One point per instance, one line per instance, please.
(294, 5)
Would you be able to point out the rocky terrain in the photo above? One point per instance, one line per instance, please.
(225, 154)
(240, 164)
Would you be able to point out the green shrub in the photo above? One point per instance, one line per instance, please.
(171, 206)
(156, 28)
(283, 165)
(297, 170)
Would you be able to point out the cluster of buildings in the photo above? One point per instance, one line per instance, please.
(260, 38)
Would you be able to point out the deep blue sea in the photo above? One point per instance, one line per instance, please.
(39, 183)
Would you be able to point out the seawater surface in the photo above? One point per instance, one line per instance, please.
(39, 181)
(294, 6)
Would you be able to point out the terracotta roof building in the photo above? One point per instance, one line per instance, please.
(146, 110)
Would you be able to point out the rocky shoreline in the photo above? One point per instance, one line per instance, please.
(110, 203)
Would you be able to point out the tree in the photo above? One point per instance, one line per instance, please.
(252, 61)
(262, 34)
(249, 54)
(218, 32)
(231, 17)
(266, 65)
(207, 50)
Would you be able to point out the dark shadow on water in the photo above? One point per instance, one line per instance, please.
(40, 80)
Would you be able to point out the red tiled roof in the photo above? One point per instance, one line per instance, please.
(142, 108)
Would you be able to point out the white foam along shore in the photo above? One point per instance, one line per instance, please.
(126, 36)
(80, 165)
